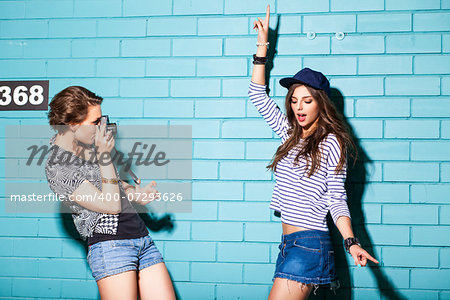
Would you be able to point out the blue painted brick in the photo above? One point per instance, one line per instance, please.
(195, 87)
(445, 258)
(235, 291)
(205, 169)
(12, 9)
(200, 128)
(384, 22)
(430, 278)
(397, 64)
(72, 28)
(293, 6)
(79, 288)
(190, 251)
(446, 42)
(329, 23)
(354, 5)
(399, 277)
(5, 287)
(62, 268)
(197, 7)
(216, 272)
(104, 87)
(51, 227)
(49, 9)
(145, 47)
(197, 47)
(47, 247)
(358, 45)
(95, 48)
(120, 67)
(289, 24)
(386, 193)
(430, 107)
(261, 149)
(14, 267)
(445, 129)
(46, 48)
(362, 86)
(144, 88)
(411, 4)
(242, 252)
(258, 273)
(445, 172)
(434, 151)
(389, 234)
(6, 246)
(239, 46)
(252, 6)
(302, 45)
(222, 67)
(201, 210)
(180, 232)
(372, 213)
(385, 150)
(179, 271)
(121, 27)
(444, 215)
(331, 65)
(113, 107)
(445, 4)
(217, 231)
(246, 129)
(244, 170)
(367, 128)
(213, 108)
(412, 85)
(71, 68)
(23, 287)
(18, 227)
(375, 107)
(431, 21)
(98, 8)
(253, 211)
(445, 86)
(172, 26)
(165, 108)
(219, 149)
(413, 43)
(430, 236)
(146, 8)
(223, 26)
(403, 214)
(217, 190)
(72, 248)
(370, 294)
(263, 232)
(192, 290)
(11, 49)
(23, 29)
(235, 87)
(258, 191)
(411, 293)
(411, 129)
(22, 68)
(413, 171)
(430, 193)
(432, 64)
(170, 67)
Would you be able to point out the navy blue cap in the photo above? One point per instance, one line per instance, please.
(310, 77)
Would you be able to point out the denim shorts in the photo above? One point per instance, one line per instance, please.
(116, 256)
(307, 257)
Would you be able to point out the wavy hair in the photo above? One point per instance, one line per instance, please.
(329, 121)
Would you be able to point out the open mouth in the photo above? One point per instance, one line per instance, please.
(301, 117)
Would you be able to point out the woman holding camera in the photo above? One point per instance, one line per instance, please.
(121, 254)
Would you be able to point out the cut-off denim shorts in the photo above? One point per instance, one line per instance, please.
(307, 257)
(112, 257)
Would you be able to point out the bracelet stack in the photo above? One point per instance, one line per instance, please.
(257, 60)
(111, 180)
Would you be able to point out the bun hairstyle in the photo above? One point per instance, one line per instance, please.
(70, 106)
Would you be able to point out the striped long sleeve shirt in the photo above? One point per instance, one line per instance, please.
(303, 201)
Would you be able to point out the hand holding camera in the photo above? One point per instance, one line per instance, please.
(104, 139)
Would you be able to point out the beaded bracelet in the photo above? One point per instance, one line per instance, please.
(263, 44)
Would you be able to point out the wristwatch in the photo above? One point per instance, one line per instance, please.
(349, 242)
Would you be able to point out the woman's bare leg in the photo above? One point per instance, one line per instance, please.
(284, 289)
(122, 286)
(155, 283)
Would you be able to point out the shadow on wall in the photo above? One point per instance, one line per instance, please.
(355, 186)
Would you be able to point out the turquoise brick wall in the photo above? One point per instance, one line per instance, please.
(176, 62)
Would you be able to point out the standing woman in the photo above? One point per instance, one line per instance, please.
(121, 254)
(310, 171)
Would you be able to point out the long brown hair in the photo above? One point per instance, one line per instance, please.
(329, 121)
(70, 106)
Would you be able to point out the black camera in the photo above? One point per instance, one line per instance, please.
(110, 127)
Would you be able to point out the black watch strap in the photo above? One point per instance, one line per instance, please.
(349, 242)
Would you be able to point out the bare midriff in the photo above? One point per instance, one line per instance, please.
(288, 229)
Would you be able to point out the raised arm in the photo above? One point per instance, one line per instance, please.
(268, 109)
